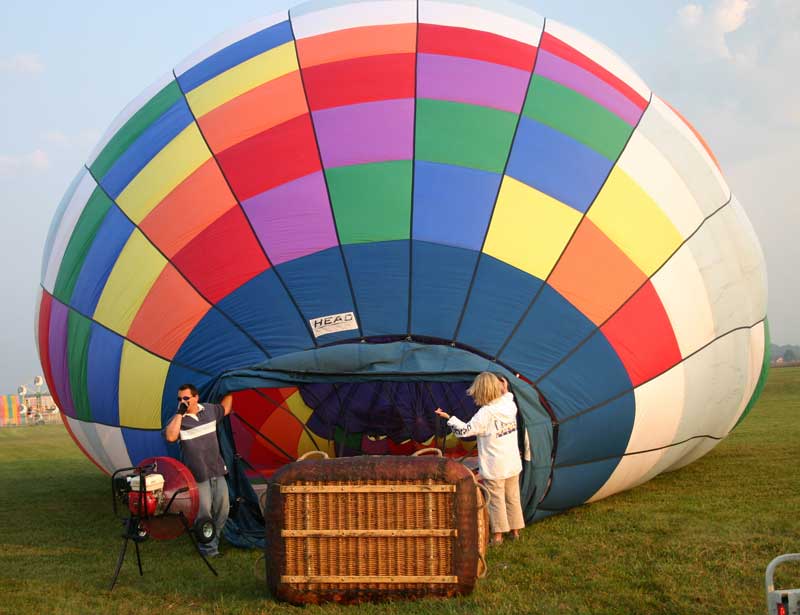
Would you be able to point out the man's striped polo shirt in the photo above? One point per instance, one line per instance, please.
(199, 443)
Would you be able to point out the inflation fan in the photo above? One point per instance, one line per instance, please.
(158, 498)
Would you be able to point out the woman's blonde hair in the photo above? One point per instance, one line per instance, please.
(485, 388)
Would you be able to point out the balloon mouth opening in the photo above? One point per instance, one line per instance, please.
(274, 426)
(374, 398)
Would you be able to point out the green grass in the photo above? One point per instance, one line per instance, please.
(691, 541)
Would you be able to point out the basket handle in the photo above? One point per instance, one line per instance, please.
(483, 567)
(485, 490)
(309, 454)
(427, 451)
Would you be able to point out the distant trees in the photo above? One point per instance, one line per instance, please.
(788, 354)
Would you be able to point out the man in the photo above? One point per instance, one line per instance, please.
(195, 425)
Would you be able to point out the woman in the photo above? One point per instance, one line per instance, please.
(495, 424)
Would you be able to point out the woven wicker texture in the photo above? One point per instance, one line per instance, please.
(376, 528)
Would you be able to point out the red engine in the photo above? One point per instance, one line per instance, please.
(146, 497)
(157, 493)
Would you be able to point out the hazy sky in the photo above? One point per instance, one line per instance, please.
(67, 68)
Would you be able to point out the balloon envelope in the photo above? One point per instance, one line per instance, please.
(343, 212)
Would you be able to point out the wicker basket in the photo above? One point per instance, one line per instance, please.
(374, 528)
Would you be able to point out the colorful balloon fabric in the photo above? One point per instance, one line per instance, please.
(407, 191)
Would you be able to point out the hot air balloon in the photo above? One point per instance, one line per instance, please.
(343, 212)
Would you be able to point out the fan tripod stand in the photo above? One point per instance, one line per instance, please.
(136, 534)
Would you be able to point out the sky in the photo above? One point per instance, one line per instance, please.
(67, 69)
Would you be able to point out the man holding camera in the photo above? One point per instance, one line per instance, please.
(195, 425)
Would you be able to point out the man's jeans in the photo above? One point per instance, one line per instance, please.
(214, 505)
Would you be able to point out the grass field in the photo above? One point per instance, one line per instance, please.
(693, 541)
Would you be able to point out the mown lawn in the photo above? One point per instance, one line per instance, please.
(693, 541)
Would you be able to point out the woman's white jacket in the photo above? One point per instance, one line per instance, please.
(495, 425)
